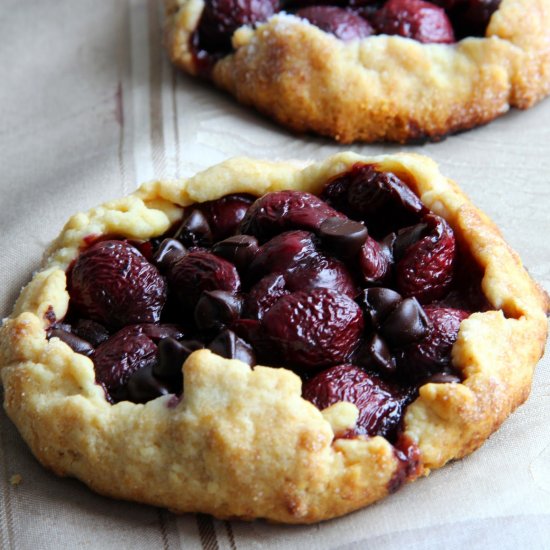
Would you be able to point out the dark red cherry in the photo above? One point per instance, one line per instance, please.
(113, 284)
(264, 294)
(120, 356)
(380, 405)
(344, 24)
(426, 269)
(477, 14)
(314, 329)
(321, 272)
(374, 262)
(283, 211)
(221, 18)
(198, 271)
(433, 354)
(283, 252)
(422, 21)
(225, 215)
(380, 199)
(470, 17)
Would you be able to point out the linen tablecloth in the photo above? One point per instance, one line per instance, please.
(90, 108)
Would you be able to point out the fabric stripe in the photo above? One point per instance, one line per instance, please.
(140, 87)
(175, 121)
(155, 96)
(207, 532)
(230, 535)
(123, 63)
(7, 538)
(163, 529)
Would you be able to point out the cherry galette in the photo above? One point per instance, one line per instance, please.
(344, 328)
(368, 70)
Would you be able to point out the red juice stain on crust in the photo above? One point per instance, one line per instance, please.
(408, 456)
(50, 315)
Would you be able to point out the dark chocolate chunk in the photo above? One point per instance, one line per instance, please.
(171, 356)
(229, 345)
(387, 244)
(407, 323)
(194, 230)
(375, 354)
(217, 309)
(377, 304)
(239, 250)
(76, 343)
(162, 331)
(93, 332)
(168, 252)
(406, 237)
(142, 386)
(342, 237)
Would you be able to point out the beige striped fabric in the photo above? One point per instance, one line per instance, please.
(89, 108)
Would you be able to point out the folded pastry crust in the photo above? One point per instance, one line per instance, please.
(242, 442)
(382, 87)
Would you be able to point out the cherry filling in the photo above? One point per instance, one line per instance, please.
(436, 21)
(360, 291)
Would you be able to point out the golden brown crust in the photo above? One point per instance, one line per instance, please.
(242, 442)
(382, 87)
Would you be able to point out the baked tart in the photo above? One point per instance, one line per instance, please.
(395, 70)
(267, 340)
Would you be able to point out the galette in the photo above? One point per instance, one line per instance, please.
(267, 340)
(368, 70)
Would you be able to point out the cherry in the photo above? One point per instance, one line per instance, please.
(432, 354)
(221, 18)
(380, 199)
(264, 294)
(283, 252)
(426, 269)
(285, 210)
(374, 261)
(112, 283)
(314, 329)
(380, 404)
(199, 271)
(422, 21)
(225, 215)
(321, 272)
(344, 24)
(472, 17)
(120, 356)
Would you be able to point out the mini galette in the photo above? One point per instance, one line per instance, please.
(269, 341)
(369, 70)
